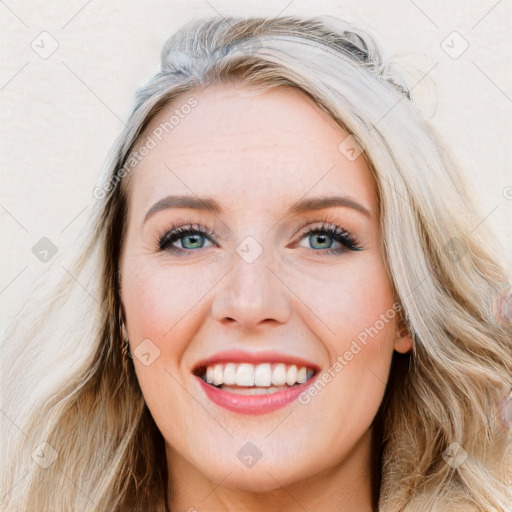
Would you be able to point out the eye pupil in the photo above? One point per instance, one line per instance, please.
(323, 238)
(195, 240)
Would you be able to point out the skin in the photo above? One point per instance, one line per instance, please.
(256, 153)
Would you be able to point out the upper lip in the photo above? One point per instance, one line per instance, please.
(241, 356)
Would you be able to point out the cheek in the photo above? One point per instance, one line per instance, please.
(357, 307)
(159, 305)
(156, 299)
(354, 300)
(353, 387)
(166, 305)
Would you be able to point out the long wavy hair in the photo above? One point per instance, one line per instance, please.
(79, 435)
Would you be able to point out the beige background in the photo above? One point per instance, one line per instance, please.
(61, 113)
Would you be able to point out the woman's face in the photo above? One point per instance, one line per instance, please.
(260, 289)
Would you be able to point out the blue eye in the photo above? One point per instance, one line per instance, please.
(327, 234)
(191, 238)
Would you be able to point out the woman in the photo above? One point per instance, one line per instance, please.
(297, 309)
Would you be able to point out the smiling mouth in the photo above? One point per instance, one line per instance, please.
(254, 379)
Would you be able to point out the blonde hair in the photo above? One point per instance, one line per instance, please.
(82, 397)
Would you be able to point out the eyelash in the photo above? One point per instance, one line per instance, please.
(339, 234)
(346, 239)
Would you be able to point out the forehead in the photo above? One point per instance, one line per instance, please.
(249, 147)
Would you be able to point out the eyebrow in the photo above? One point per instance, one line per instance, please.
(208, 203)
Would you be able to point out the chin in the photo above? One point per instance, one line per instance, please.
(256, 480)
(264, 476)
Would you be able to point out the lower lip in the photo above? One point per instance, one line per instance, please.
(254, 404)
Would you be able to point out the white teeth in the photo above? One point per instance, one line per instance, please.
(217, 374)
(291, 375)
(229, 373)
(252, 391)
(245, 375)
(302, 375)
(279, 375)
(265, 375)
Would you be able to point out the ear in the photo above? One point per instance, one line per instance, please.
(122, 321)
(124, 331)
(403, 341)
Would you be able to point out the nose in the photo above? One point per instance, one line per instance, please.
(251, 295)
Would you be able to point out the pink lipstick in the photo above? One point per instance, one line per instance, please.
(254, 383)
